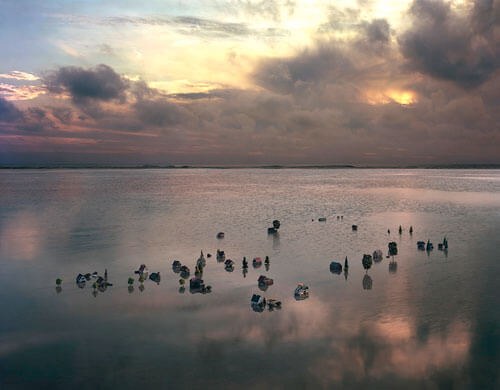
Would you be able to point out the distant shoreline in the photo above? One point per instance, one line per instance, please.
(451, 166)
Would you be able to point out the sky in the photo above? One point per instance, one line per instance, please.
(250, 82)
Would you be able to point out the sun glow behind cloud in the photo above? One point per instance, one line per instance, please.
(375, 97)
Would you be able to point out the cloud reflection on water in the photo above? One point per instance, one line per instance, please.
(21, 236)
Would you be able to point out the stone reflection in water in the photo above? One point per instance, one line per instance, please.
(367, 282)
(276, 240)
(258, 309)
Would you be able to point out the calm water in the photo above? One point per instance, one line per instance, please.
(435, 323)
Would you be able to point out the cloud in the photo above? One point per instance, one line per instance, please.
(9, 112)
(21, 92)
(453, 45)
(32, 119)
(36, 120)
(18, 75)
(340, 19)
(160, 112)
(308, 108)
(191, 25)
(101, 83)
(274, 9)
(325, 63)
(63, 114)
(378, 30)
(192, 95)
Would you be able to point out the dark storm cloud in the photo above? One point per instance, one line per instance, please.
(9, 112)
(324, 63)
(378, 30)
(63, 114)
(35, 121)
(140, 90)
(449, 45)
(485, 15)
(101, 83)
(192, 95)
(348, 19)
(31, 120)
(160, 112)
(37, 113)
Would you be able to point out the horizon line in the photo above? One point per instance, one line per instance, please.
(264, 166)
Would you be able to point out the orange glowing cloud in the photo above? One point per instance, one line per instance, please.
(20, 92)
(18, 75)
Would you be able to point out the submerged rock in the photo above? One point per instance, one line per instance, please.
(221, 256)
(264, 280)
(377, 255)
(257, 303)
(257, 262)
(335, 268)
(80, 279)
(176, 266)
(229, 265)
(367, 261)
(142, 270)
(155, 277)
(393, 248)
(301, 292)
(273, 304)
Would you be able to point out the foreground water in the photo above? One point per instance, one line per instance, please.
(434, 323)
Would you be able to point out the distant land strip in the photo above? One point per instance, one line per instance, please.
(147, 166)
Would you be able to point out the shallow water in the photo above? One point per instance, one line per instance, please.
(434, 323)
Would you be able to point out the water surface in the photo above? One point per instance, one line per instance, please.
(434, 323)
